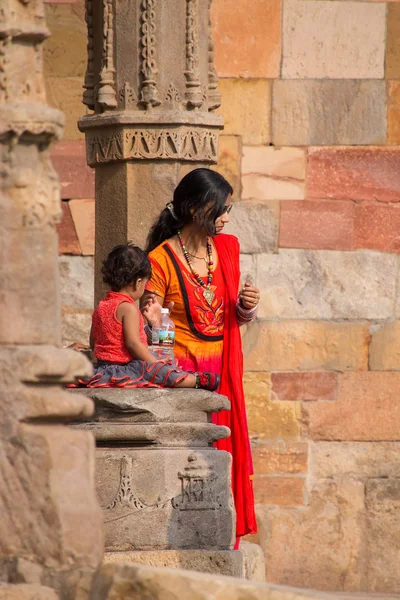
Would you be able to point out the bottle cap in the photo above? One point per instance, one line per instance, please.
(164, 311)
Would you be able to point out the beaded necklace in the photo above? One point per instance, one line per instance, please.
(207, 291)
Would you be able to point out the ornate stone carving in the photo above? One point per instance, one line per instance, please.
(172, 95)
(198, 490)
(214, 97)
(149, 94)
(193, 85)
(127, 97)
(88, 95)
(106, 95)
(126, 495)
(3, 69)
(186, 143)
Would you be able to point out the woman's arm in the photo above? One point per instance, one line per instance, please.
(247, 304)
(129, 316)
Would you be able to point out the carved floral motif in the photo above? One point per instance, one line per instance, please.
(192, 144)
(127, 97)
(172, 95)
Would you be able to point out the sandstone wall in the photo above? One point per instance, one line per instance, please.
(311, 101)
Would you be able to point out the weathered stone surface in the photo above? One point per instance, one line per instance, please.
(269, 173)
(246, 107)
(328, 112)
(393, 91)
(334, 40)
(175, 435)
(304, 386)
(292, 539)
(75, 326)
(248, 267)
(354, 173)
(134, 582)
(268, 419)
(64, 53)
(154, 405)
(377, 226)
(317, 225)
(255, 224)
(82, 211)
(280, 491)
(254, 561)
(306, 346)
(353, 460)
(65, 93)
(68, 242)
(326, 284)
(219, 562)
(280, 457)
(161, 499)
(230, 161)
(26, 592)
(76, 281)
(233, 21)
(52, 497)
(392, 67)
(366, 409)
(382, 499)
(76, 178)
(384, 351)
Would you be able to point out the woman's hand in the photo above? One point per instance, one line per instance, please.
(151, 310)
(249, 296)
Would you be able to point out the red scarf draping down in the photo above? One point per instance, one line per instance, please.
(232, 386)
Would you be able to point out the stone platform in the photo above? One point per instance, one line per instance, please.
(164, 489)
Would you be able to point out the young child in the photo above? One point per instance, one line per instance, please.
(118, 338)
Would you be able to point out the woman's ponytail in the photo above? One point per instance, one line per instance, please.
(163, 228)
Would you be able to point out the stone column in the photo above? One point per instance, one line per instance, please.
(164, 489)
(51, 526)
(152, 85)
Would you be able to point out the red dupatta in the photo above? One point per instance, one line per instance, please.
(237, 444)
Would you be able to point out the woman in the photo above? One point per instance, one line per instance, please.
(196, 270)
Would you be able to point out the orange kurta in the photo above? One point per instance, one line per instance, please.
(199, 327)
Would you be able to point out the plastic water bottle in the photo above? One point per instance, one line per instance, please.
(163, 337)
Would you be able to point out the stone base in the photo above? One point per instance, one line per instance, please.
(220, 562)
(248, 562)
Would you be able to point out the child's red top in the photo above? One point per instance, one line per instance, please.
(107, 331)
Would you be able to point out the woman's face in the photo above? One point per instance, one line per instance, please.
(224, 218)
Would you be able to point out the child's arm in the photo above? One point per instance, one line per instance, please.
(129, 316)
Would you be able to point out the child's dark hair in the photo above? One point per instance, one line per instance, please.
(124, 265)
(202, 193)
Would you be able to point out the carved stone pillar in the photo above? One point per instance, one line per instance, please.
(50, 526)
(152, 85)
(165, 491)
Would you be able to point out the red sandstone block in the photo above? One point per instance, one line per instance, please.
(280, 457)
(319, 225)
(367, 409)
(304, 386)
(76, 178)
(82, 212)
(68, 242)
(283, 491)
(354, 173)
(377, 226)
(241, 47)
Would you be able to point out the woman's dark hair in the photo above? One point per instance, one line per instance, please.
(202, 195)
(124, 266)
